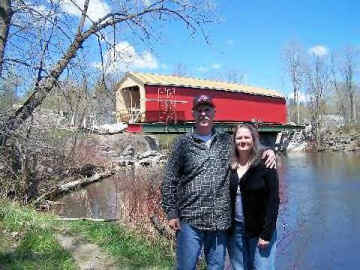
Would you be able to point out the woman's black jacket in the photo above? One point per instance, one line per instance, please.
(260, 199)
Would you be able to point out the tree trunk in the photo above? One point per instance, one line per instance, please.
(352, 108)
(355, 113)
(5, 19)
(58, 190)
(296, 99)
(40, 92)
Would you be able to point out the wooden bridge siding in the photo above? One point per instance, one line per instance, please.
(230, 106)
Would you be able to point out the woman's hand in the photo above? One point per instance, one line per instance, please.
(270, 157)
(262, 243)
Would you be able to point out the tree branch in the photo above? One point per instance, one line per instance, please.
(46, 84)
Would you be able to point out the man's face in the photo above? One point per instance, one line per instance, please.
(204, 115)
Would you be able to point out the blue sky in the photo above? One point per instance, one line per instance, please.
(252, 35)
(249, 38)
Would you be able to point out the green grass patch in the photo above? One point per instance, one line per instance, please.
(129, 248)
(28, 240)
(37, 250)
(17, 218)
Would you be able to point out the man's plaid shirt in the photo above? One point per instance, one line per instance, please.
(196, 183)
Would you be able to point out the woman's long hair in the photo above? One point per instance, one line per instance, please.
(256, 151)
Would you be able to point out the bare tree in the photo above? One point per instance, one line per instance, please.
(139, 16)
(347, 70)
(5, 19)
(293, 59)
(104, 100)
(318, 79)
(8, 88)
(341, 100)
(344, 68)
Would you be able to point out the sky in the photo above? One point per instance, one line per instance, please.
(254, 33)
(249, 38)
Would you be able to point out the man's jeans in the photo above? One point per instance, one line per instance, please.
(189, 242)
(246, 255)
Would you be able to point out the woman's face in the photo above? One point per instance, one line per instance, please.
(243, 140)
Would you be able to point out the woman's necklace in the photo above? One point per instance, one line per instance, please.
(241, 169)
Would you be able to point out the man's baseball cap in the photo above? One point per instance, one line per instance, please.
(203, 100)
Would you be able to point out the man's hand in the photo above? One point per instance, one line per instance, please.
(270, 156)
(262, 243)
(174, 224)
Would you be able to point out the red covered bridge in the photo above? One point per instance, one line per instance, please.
(149, 98)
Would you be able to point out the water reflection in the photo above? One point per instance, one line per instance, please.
(322, 216)
(98, 200)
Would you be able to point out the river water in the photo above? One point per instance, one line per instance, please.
(319, 221)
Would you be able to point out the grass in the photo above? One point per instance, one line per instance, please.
(27, 241)
(129, 248)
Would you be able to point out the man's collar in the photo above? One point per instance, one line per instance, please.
(213, 133)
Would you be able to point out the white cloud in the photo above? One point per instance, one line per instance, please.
(216, 66)
(96, 10)
(319, 50)
(126, 58)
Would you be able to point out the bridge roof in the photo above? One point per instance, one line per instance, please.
(177, 81)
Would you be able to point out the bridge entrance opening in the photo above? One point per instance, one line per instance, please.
(131, 96)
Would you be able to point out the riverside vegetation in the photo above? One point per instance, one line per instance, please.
(28, 241)
(37, 165)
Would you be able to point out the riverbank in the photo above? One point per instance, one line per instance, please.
(340, 140)
(332, 140)
(30, 240)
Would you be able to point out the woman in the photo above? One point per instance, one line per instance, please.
(255, 198)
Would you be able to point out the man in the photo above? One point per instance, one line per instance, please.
(196, 193)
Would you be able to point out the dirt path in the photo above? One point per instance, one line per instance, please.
(86, 255)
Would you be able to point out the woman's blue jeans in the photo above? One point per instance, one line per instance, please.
(246, 255)
(189, 242)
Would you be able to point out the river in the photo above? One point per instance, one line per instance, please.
(319, 221)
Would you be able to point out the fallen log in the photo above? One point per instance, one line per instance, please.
(58, 190)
